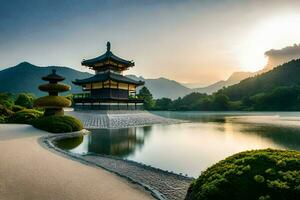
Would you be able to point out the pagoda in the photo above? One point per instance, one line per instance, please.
(53, 103)
(108, 89)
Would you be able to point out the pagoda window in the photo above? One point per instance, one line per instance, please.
(87, 86)
(106, 84)
(97, 85)
(131, 87)
(123, 86)
(113, 84)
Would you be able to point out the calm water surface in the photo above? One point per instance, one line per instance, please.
(191, 147)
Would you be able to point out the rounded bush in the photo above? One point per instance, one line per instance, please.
(5, 112)
(25, 100)
(17, 108)
(2, 119)
(58, 124)
(54, 87)
(52, 102)
(259, 174)
(25, 116)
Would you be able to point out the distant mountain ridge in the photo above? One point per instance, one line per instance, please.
(284, 75)
(235, 78)
(25, 77)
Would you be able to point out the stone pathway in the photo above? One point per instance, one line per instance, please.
(162, 184)
(169, 185)
(120, 119)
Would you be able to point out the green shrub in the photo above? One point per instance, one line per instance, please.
(17, 108)
(58, 124)
(25, 116)
(258, 175)
(7, 100)
(5, 112)
(25, 100)
(2, 119)
(54, 87)
(52, 101)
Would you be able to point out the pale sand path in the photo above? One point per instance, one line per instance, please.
(28, 171)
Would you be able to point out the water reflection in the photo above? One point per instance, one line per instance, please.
(116, 142)
(192, 147)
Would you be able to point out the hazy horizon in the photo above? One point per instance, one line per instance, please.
(190, 42)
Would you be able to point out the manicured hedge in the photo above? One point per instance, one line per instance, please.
(5, 112)
(2, 119)
(17, 108)
(54, 87)
(25, 116)
(250, 175)
(52, 101)
(58, 124)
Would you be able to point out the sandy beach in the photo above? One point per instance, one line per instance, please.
(28, 171)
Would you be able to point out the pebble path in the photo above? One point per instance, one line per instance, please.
(121, 119)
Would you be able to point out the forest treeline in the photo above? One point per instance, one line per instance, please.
(276, 90)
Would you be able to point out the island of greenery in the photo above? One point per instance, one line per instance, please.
(259, 174)
(45, 113)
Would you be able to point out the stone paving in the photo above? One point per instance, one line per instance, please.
(162, 184)
(118, 119)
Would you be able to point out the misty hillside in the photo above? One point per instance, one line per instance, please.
(26, 77)
(284, 75)
(235, 78)
(162, 87)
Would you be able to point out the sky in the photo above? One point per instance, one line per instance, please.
(187, 41)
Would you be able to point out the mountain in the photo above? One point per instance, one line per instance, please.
(235, 78)
(284, 75)
(26, 77)
(162, 87)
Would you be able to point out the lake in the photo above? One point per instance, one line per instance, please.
(190, 147)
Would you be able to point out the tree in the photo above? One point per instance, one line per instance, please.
(220, 102)
(25, 100)
(163, 104)
(7, 100)
(146, 95)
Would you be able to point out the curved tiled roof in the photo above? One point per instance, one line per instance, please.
(107, 76)
(107, 56)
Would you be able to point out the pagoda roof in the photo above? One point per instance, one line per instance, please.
(107, 76)
(107, 57)
(53, 77)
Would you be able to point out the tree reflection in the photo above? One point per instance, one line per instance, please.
(288, 137)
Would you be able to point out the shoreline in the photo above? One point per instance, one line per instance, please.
(167, 185)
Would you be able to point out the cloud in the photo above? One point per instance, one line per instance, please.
(286, 51)
(279, 56)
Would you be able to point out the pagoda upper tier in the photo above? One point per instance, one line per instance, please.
(108, 61)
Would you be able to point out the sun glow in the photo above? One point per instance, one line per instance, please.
(272, 33)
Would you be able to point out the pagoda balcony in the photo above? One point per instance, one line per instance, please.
(92, 98)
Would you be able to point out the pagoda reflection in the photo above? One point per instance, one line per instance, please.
(116, 142)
